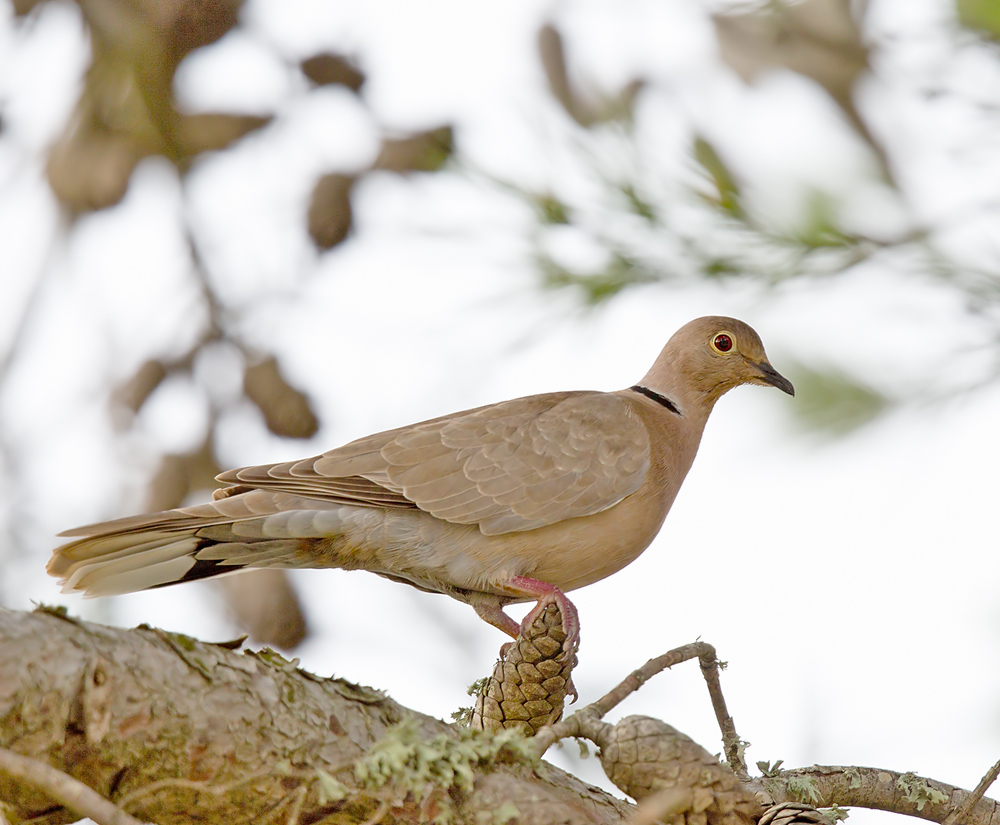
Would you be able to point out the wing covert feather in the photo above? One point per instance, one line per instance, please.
(513, 466)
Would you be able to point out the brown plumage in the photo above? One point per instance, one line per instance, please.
(499, 504)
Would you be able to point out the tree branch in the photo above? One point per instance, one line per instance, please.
(174, 730)
(961, 813)
(169, 729)
(882, 790)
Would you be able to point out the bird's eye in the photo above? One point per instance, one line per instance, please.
(723, 342)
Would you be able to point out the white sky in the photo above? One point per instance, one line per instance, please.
(851, 585)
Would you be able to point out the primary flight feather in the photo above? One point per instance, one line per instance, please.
(505, 503)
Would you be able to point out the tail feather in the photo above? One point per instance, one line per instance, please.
(273, 553)
(80, 573)
(69, 557)
(140, 572)
(139, 561)
(227, 510)
(257, 528)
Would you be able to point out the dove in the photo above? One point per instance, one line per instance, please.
(517, 501)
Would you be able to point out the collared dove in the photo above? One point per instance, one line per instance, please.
(511, 502)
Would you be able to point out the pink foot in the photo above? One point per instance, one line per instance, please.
(548, 594)
(490, 611)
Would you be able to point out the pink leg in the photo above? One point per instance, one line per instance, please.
(546, 594)
(491, 613)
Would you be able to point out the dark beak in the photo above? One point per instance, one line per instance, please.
(775, 378)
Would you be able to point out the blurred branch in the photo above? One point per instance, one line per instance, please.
(586, 113)
(818, 39)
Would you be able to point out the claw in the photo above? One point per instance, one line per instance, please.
(548, 594)
(490, 611)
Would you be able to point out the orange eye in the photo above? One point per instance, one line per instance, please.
(722, 342)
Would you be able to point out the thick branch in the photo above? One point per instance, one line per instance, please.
(901, 793)
(174, 730)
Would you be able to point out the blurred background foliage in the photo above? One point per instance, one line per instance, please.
(620, 210)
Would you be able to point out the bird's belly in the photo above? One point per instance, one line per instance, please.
(569, 554)
(456, 558)
(581, 551)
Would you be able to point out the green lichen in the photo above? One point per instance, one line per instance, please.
(59, 611)
(478, 687)
(8, 814)
(272, 657)
(438, 768)
(768, 769)
(505, 813)
(357, 693)
(853, 778)
(741, 749)
(330, 789)
(803, 788)
(836, 813)
(462, 716)
(915, 789)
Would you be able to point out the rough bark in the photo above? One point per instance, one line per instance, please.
(176, 730)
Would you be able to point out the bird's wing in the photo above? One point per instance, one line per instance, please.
(513, 466)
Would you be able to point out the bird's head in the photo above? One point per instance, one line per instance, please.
(710, 356)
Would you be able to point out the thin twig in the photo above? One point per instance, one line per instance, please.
(961, 813)
(380, 812)
(198, 786)
(583, 721)
(64, 789)
(300, 798)
(730, 739)
(218, 791)
(637, 678)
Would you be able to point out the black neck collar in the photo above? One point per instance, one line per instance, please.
(662, 400)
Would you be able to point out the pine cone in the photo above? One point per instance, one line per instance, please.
(530, 683)
(646, 757)
(794, 813)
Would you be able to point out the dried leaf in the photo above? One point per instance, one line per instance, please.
(286, 409)
(818, 39)
(553, 57)
(265, 604)
(187, 25)
(330, 214)
(422, 152)
(333, 70)
(211, 131)
(136, 391)
(88, 169)
(23, 7)
(584, 112)
(179, 475)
